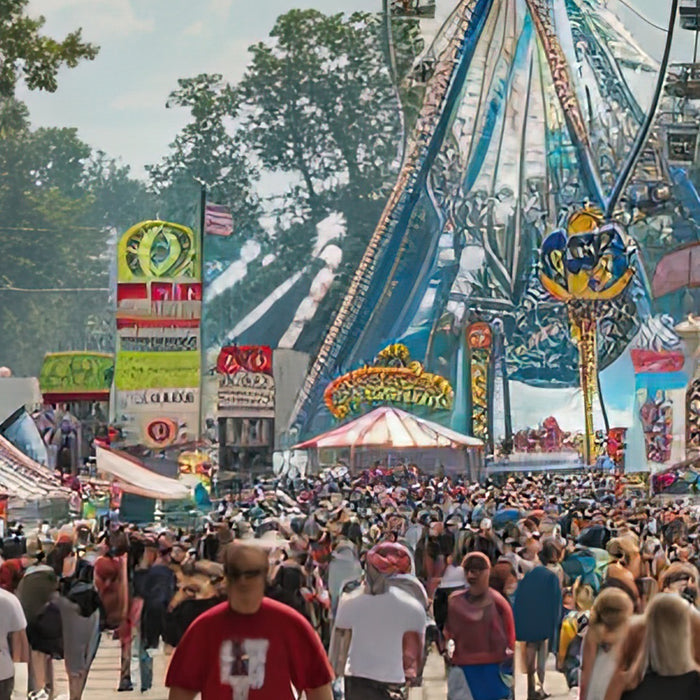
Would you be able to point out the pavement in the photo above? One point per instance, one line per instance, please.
(104, 677)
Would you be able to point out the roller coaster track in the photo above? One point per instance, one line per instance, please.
(443, 86)
(563, 86)
(613, 86)
(378, 265)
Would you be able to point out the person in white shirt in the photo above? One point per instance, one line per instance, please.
(14, 646)
(379, 630)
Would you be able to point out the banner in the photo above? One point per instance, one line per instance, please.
(246, 390)
(160, 429)
(157, 250)
(250, 358)
(158, 339)
(154, 370)
(76, 373)
(394, 379)
(246, 386)
(157, 399)
(159, 305)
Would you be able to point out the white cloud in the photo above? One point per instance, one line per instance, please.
(194, 29)
(220, 8)
(100, 19)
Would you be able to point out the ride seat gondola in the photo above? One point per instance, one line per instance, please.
(689, 11)
(683, 81)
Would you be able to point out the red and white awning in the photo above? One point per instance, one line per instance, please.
(388, 427)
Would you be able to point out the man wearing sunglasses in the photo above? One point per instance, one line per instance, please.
(250, 647)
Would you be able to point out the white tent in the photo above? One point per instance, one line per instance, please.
(132, 477)
(391, 427)
(387, 429)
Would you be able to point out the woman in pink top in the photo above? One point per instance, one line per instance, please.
(480, 623)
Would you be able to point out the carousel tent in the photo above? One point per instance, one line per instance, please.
(387, 430)
(132, 477)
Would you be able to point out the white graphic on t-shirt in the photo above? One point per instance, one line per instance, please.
(242, 664)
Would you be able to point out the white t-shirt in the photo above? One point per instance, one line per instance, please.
(378, 624)
(11, 620)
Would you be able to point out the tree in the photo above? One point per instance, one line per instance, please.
(26, 53)
(319, 102)
(208, 151)
(58, 202)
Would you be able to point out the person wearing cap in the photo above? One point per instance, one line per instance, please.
(377, 641)
(250, 646)
(481, 631)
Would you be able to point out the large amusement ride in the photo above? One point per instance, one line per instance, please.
(538, 116)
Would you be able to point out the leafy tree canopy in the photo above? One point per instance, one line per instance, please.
(26, 53)
(60, 202)
(318, 101)
(208, 151)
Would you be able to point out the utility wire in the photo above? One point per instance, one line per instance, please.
(642, 17)
(66, 228)
(55, 289)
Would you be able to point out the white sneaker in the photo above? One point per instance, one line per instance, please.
(38, 695)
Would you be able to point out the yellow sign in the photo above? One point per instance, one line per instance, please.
(157, 370)
(157, 250)
(397, 380)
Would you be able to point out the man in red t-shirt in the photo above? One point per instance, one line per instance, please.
(251, 647)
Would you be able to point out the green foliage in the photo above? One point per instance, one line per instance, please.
(317, 105)
(318, 102)
(26, 53)
(208, 151)
(59, 202)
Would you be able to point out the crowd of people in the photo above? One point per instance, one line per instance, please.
(292, 583)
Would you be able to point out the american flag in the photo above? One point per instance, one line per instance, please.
(218, 220)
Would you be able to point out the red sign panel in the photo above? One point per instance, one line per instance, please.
(248, 358)
(657, 361)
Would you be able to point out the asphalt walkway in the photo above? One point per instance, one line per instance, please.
(104, 677)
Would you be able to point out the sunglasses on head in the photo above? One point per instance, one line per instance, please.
(247, 574)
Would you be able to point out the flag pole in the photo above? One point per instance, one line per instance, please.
(202, 346)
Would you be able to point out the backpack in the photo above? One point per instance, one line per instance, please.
(45, 631)
(572, 659)
(85, 596)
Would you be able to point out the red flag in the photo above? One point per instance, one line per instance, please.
(217, 220)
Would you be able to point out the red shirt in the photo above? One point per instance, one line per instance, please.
(482, 634)
(111, 587)
(225, 654)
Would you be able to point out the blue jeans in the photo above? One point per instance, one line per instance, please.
(145, 666)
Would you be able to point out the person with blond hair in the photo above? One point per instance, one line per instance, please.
(610, 615)
(666, 667)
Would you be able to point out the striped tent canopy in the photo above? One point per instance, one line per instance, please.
(24, 479)
(387, 427)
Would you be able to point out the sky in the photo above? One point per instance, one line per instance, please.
(117, 101)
